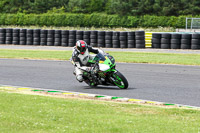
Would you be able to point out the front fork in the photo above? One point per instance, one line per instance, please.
(110, 76)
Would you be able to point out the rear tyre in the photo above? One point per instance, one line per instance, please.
(119, 80)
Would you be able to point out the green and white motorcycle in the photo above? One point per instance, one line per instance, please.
(106, 74)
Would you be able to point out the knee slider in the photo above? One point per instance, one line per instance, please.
(79, 78)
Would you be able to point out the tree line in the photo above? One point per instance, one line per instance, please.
(118, 7)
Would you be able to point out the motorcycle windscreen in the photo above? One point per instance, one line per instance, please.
(103, 67)
(99, 57)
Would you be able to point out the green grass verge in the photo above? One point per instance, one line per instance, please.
(130, 57)
(32, 113)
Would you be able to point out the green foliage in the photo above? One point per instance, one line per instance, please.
(92, 20)
(119, 7)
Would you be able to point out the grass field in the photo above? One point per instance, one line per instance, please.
(20, 113)
(130, 57)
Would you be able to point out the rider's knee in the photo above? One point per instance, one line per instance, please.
(79, 78)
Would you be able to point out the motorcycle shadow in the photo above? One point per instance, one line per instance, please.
(106, 88)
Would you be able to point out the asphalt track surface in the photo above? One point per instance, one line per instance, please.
(164, 83)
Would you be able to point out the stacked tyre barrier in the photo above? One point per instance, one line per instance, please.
(29, 37)
(115, 39)
(68, 38)
(57, 38)
(186, 41)
(131, 39)
(79, 35)
(101, 38)
(72, 38)
(43, 37)
(86, 37)
(156, 40)
(65, 37)
(36, 37)
(22, 36)
(93, 38)
(195, 43)
(165, 41)
(176, 40)
(2, 36)
(15, 35)
(123, 39)
(50, 37)
(140, 39)
(108, 39)
(9, 36)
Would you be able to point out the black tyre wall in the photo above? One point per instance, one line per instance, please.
(115, 39)
(8, 37)
(93, 38)
(86, 37)
(22, 36)
(186, 41)
(2, 35)
(15, 39)
(64, 38)
(29, 37)
(156, 40)
(43, 37)
(57, 38)
(79, 35)
(131, 40)
(50, 37)
(195, 41)
(123, 39)
(108, 39)
(101, 38)
(36, 37)
(72, 38)
(140, 39)
(165, 41)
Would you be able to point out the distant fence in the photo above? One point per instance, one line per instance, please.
(192, 23)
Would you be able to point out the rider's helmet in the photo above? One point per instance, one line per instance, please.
(81, 46)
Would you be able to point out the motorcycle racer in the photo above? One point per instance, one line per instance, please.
(80, 56)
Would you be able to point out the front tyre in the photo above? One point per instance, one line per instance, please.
(119, 80)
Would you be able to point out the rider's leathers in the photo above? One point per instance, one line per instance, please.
(81, 61)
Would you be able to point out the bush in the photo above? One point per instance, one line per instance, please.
(91, 20)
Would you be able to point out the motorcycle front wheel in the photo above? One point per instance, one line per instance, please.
(119, 80)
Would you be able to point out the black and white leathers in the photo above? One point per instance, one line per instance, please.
(81, 61)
